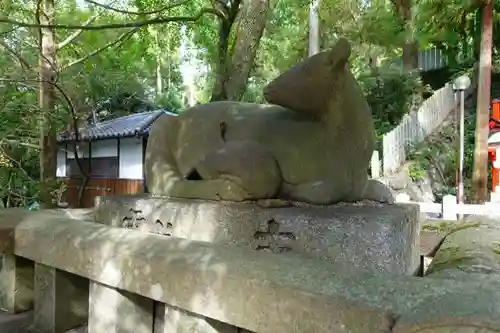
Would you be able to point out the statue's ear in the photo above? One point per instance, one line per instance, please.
(340, 53)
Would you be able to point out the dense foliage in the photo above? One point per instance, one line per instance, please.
(392, 94)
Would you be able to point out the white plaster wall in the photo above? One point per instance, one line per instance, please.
(104, 148)
(130, 158)
(130, 163)
(100, 148)
(61, 161)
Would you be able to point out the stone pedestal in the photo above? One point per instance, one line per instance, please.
(16, 284)
(374, 236)
(117, 311)
(61, 300)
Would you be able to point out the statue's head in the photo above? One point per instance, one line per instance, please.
(310, 86)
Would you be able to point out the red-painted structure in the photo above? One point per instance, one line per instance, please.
(494, 145)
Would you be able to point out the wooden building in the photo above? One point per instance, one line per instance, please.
(111, 153)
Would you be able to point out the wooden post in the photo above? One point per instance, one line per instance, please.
(480, 175)
(375, 165)
(495, 109)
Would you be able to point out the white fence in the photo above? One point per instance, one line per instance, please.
(427, 60)
(451, 210)
(415, 127)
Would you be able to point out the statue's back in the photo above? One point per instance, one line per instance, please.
(288, 134)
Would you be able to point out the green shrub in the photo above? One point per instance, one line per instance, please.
(392, 94)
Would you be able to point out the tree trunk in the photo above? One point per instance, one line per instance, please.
(47, 98)
(218, 92)
(410, 56)
(253, 18)
(314, 38)
(410, 47)
(480, 174)
(232, 73)
(158, 59)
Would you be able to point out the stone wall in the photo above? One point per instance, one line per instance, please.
(121, 280)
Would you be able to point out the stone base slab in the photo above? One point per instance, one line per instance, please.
(61, 300)
(16, 283)
(374, 236)
(118, 311)
(169, 319)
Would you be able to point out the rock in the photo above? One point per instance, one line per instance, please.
(468, 253)
(471, 310)
(375, 236)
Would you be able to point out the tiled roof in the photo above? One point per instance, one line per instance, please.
(131, 125)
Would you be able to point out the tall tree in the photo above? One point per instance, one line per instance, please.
(480, 175)
(234, 65)
(252, 21)
(47, 100)
(410, 47)
(314, 39)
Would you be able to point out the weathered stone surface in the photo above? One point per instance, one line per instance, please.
(261, 292)
(471, 250)
(170, 319)
(457, 329)
(429, 242)
(118, 311)
(374, 236)
(16, 283)
(9, 219)
(303, 88)
(212, 281)
(471, 310)
(16, 323)
(314, 148)
(61, 298)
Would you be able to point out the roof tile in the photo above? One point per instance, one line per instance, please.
(131, 125)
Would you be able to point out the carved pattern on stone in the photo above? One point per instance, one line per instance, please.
(163, 228)
(272, 239)
(133, 220)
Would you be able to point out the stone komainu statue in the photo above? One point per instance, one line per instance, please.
(313, 144)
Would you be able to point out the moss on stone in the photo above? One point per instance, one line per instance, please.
(448, 227)
(451, 263)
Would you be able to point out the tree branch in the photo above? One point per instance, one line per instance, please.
(21, 144)
(77, 33)
(159, 10)
(120, 40)
(15, 54)
(126, 25)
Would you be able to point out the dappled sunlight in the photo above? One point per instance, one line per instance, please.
(220, 287)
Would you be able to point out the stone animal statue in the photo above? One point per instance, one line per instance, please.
(313, 144)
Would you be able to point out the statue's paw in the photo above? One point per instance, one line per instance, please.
(378, 191)
(230, 191)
